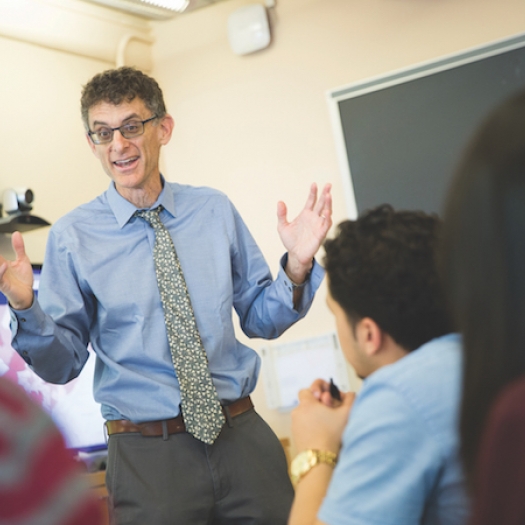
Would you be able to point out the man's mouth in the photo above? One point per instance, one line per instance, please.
(125, 162)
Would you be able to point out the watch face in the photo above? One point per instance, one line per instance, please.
(303, 463)
(307, 459)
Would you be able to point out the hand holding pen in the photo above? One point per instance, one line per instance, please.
(328, 392)
(319, 419)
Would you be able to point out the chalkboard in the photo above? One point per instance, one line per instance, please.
(400, 135)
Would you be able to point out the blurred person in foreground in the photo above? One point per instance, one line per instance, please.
(389, 456)
(483, 263)
(40, 481)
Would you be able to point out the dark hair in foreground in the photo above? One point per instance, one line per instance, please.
(383, 266)
(122, 85)
(483, 263)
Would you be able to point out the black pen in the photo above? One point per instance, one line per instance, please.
(334, 391)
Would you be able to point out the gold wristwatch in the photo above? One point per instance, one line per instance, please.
(308, 459)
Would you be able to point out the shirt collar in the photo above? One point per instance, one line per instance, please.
(124, 210)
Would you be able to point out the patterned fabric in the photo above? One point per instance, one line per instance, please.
(200, 404)
(40, 481)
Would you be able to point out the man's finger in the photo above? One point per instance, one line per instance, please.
(312, 197)
(306, 396)
(281, 213)
(325, 201)
(18, 245)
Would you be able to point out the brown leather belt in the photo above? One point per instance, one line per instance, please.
(171, 426)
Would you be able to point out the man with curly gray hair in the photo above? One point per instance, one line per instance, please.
(149, 273)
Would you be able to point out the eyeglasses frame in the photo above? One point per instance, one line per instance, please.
(98, 143)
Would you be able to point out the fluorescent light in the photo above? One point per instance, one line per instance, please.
(172, 5)
(153, 9)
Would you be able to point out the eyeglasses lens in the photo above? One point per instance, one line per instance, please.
(129, 130)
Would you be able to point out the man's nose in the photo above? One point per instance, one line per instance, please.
(119, 142)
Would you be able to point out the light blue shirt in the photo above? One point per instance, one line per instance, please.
(98, 286)
(399, 462)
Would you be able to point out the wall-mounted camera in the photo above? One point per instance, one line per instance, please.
(17, 200)
(17, 204)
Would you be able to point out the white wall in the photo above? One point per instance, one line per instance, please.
(256, 127)
(41, 136)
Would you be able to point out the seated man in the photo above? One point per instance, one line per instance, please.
(396, 456)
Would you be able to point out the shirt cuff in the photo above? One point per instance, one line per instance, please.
(311, 283)
(32, 316)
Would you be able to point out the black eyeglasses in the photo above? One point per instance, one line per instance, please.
(129, 130)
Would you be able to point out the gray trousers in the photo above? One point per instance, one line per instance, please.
(242, 479)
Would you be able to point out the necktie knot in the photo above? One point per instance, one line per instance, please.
(150, 216)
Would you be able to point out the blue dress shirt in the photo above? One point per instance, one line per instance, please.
(98, 286)
(399, 463)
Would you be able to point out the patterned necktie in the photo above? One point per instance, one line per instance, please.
(200, 404)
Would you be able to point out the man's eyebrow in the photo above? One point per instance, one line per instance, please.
(129, 117)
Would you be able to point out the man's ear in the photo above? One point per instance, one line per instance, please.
(166, 126)
(369, 336)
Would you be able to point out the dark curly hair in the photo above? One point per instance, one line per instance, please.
(383, 266)
(122, 85)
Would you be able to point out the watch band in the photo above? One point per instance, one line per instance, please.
(306, 460)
